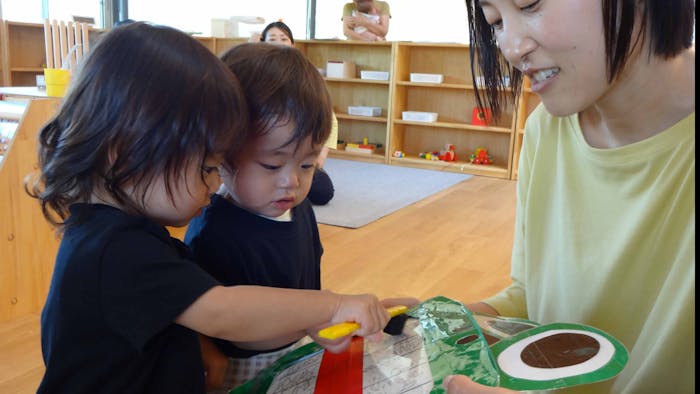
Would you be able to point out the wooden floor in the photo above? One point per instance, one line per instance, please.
(455, 243)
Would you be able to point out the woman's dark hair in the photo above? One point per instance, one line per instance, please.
(280, 25)
(281, 85)
(148, 101)
(670, 24)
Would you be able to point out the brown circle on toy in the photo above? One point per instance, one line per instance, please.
(490, 340)
(560, 350)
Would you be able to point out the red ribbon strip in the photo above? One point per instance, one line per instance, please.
(341, 373)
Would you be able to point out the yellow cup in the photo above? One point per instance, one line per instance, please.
(56, 81)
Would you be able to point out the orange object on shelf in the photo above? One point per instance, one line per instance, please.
(481, 117)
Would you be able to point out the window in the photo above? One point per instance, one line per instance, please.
(22, 10)
(411, 20)
(33, 11)
(197, 19)
(63, 10)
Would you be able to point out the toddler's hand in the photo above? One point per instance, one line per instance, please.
(365, 310)
(332, 345)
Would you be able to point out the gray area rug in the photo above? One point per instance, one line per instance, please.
(365, 192)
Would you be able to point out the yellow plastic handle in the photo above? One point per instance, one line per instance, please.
(342, 329)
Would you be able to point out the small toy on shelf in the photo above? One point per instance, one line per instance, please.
(481, 117)
(480, 156)
(448, 154)
(399, 154)
(434, 155)
(363, 147)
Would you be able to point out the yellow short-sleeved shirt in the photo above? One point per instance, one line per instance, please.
(606, 237)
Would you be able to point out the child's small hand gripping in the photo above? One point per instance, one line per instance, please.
(365, 312)
(343, 329)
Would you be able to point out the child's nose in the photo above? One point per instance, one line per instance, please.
(290, 179)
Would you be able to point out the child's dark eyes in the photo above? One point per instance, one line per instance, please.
(270, 166)
(274, 167)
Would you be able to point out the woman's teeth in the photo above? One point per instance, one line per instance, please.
(543, 75)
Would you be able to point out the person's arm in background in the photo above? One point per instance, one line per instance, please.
(349, 24)
(331, 143)
(379, 29)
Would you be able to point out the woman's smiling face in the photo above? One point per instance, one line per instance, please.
(558, 44)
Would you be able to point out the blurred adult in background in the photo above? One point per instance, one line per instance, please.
(366, 20)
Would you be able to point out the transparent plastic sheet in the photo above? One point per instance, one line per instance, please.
(492, 350)
(486, 348)
(454, 343)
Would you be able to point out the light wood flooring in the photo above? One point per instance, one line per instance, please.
(455, 243)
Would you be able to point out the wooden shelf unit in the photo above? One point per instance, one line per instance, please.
(527, 102)
(453, 101)
(219, 45)
(355, 91)
(24, 52)
(28, 244)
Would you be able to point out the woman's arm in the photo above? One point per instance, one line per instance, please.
(349, 23)
(380, 29)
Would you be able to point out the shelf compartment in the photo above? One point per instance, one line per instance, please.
(366, 56)
(455, 125)
(492, 170)
(353, 130)
(370, 158)
(344, 95)
(453, 105)
(358, 81)
(25, 77)
(377, 119)
(458, 86)
(453, 62)
(413, 140)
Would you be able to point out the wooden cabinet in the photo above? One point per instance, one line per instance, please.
(356, 91)
(219, 45)
(454, 101)
(527, 102)
(28, 244)
(24, 52)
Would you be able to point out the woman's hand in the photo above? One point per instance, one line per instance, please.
(460, 384)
